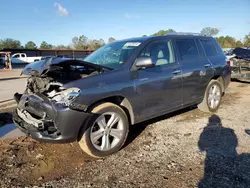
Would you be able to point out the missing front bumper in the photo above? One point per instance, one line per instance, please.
(46, 122)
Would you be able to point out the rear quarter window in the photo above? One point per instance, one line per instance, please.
(187, 49)
(209, 47)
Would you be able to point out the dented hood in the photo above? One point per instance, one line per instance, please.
(41, 68)
(37, 68)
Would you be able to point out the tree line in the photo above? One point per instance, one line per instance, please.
(78, 43)
(83, 43)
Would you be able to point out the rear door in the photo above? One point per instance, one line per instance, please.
(213, 52)
(158, 88)
(196, 69)
(214, 55)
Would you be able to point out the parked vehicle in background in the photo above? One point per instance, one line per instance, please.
(122, 83)
(19, 58)
(240, 62)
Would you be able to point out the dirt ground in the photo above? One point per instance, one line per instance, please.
(184, 149)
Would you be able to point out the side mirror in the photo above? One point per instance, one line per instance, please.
(142, 62)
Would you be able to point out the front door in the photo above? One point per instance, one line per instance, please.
(158, 88)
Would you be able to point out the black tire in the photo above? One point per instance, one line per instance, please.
(84, 139)
(205, 105)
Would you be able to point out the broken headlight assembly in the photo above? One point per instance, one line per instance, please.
(65, 97)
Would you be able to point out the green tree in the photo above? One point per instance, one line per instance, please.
(247, 40)
(164, 32)
(101, 42)
(239, 44)
(30, 45)
(227, 41)
(111, 39)
(210, 31)
(45, 45)
(92, 44)
(95, 44)
(62, 47)
(80, 43)
(9, 43)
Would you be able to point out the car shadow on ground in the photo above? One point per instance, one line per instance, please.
(223, 166)
(137, 129)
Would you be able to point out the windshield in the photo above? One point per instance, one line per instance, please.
(113, 55)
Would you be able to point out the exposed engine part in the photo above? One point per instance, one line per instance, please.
(47, 80)
(51, 83)
(38, 84)
(57, 84)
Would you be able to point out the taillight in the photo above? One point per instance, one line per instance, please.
(229, 63)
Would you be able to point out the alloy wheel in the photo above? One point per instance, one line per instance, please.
(214, 96)
(107, 131)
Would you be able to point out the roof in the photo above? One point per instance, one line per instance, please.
(169, 35)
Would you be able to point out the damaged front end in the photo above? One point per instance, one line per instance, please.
(46, 120)
(46, 110)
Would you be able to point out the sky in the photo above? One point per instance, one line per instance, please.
(57, 22)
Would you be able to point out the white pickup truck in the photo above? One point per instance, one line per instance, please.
(19, 58)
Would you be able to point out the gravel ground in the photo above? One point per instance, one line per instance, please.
(184, 149)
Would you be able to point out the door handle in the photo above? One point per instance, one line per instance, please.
(207, 65)
(177, 71)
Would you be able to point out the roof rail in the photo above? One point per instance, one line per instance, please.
(185, 33)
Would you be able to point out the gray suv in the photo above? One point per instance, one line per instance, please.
(123, 83)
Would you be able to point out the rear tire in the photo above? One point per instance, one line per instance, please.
(212, 97)
(104, 132)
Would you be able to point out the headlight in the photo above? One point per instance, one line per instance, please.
(67, 96)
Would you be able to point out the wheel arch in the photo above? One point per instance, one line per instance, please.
(119, 100)
(220, 80)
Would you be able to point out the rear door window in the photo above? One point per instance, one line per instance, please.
(187, 49)
(209, 47)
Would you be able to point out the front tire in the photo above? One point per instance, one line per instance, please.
(105, 131)
(212, 97)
